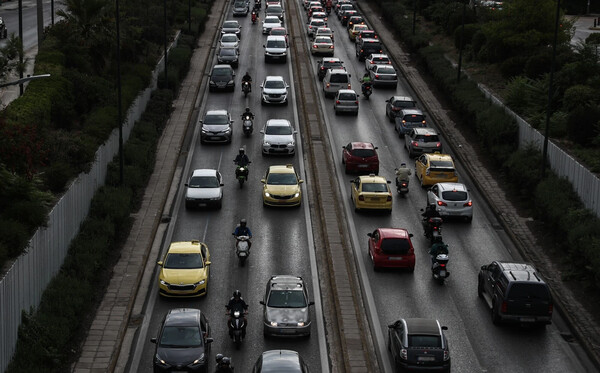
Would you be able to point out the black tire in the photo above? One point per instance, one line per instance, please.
(220, 204)
(336, 112)
(496, 320)
(479, 289)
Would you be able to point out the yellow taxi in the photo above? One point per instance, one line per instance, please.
(371, 192)
(435, 168)
(184, 270)
(282, 186)
(356, 29)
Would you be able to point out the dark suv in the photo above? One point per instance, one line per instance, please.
(515, 292)
(419, 345)
(366, 46)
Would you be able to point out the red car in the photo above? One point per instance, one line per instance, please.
(360, 157)
(392, 248)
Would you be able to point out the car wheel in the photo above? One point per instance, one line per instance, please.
(469, 219)
(262, 102)
(480, 289)
(336, 112)
(188, 206)
(496, 320)
(411, 269)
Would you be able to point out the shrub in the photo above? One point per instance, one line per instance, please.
(579, 95)
(539, 63)
(111, 203)
(523, 169)
(15, 236)
(583, 124)
(513, 66)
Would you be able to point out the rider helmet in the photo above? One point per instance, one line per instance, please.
(241, 151)
(237, 294)
(243, 223)
(438, 239)
(402, 164)
(226, 361)
(247, 110)
(219, 358)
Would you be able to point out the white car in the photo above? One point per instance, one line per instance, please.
(377, 59)
(383, 75)
(269, 23)
(451, 199)
(324, 31)
(229, 41)
(346, 101)
(313, 25)
(278, 137)
(204, 189)
(274, 90)
(322, 45)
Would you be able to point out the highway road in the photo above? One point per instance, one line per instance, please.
(10, 14)
(282, 241)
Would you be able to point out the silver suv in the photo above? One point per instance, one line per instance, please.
(334, 80)
(286, 307)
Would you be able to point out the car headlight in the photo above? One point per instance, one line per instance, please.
(267, 194)
(204, 131)
(199, 361)
(163, 282)
(273, 323)
(201, 282)
(301, 324)
(160, 362)
(228, 130)
(266, 143)
(290, 143)
(230, 82)
(297, 195)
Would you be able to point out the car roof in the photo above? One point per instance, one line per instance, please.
(272, 17)
(217, 112)
(373, 179)
(183, 317)
(274, 77)
(360, 25)
(394, 233)
(280, 361)
(185, 247)
(332, 59)
(387, 66)
(278, 122)
(337, 71)
(204, 172)
(425, 131)
(324, 29)
(452, 186)
(379, 55)
(282, 169)
(362, 145)
(275, 37)
(422, 326)
(286, 282)
(438, 157)
(402, 98)
(520, 271)
(346, 91)
(412, 111)
(278, 28)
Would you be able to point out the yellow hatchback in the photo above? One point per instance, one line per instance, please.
(371, 192)
(435, 168)
(282, 186)
(184, 270)
(356, 29)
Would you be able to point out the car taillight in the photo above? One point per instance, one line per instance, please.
(442, 203)
(438, 145)
(414, 143)
(504, 307)
(446, 355)
(337, 102)
(550, 309)
(356, 102)
(361, 198)
(314, 45)
(389, 198)
(376, 76)
(403, 354)
(331, 47)
(323, 68)
(468, 204)
(424, 124)
(349, 86)
(328, 85)
(404, 184)
(442, 265)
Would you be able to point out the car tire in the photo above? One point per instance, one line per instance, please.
(496, 320)
(188, 206)
(336, 112)
(220, 204)
(262, 102)
(411, 269)
(469, 219)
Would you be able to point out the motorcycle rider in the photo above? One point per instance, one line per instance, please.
(237, 302)
(402, 173)
(242, 159)
(247, 78)
(254, 15)
(223, 364)
(366, 82)
(248, 113)
(438, 247)
(430, 212)
(243, 230)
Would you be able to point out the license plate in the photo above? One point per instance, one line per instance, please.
(527, 319)
(363, 165)
(395, 258)
(374, 199)
(215, 138)
(425, 358)
(202, 205)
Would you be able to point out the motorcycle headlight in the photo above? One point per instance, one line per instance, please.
(273, 323)
(160, 362)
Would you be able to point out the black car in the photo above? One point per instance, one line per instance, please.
(366, 46)
(183, 343)
(418, 344)
(516, 293)
(280, 361)
(326, 64)
(221, 78)
(395, 104)
(228, 56)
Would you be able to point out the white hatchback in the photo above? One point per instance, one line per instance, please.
(451, 200)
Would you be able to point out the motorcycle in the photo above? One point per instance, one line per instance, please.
(439, 268)
(433, 228)
(241, 174)
(246, 88)
(3, 30)
(257, 4)
(237, 326)
(253, 17)
(247, 125)
(367, 89)
(242, 248)
(401, 186)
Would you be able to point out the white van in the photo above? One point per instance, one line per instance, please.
(275, 48)
(334, 80)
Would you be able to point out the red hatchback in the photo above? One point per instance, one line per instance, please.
(360, 157)
(391, 248)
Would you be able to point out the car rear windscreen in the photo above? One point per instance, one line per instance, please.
(339, 78)
(395, 246)
(424, 341)
(528, 291)
(363, 153)
(455, 195)
(427, 138)
(414, 118)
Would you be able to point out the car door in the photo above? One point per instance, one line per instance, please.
(420, 165)
(373, 241)
(355, 189)
(347, 151)
(206, 258)
(433, 194)
(396, 340)
(490, 278)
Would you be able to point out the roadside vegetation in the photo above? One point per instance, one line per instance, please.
(515, 43)
(51, 133)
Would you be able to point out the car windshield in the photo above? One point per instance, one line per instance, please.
(363, 153)
(415, 340)
(272, 20)
(204, 182)
(441, 164)
(274, 84)
(216, 119)
(229, 38)
(317, 22)
(278, 130)
(230, 24)
(404, 104)
(386, 70)
(240, 4)
(228, 52)
(528, 291)
(375, 187)
(332, 65)
(324, 32)
(287, 299)
(282, 179)
(274, 9)
(276, 44)
(427, 138)
(395, 246)
(183, 261)
(414, 118)
(455, 195)
(181, 336)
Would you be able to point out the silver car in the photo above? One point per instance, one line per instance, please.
(278, 137)
(346, 101)
(240, 8)
(229, 41)
(204, 189)
(269, 23)
(451, 200)
(216, 126)
(286, 307)
(274, 90)
(232, 27)
(422, 140)
(383, 75)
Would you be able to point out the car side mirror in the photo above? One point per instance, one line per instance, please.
(484, 267)
(444, 328)
(375, 147)
(295, 132)
(153, 340)
(261, 302)
(311, 303)
(389, 181)
(261, 86)
(261, 131)
(264, 46)
(186, 184)
(221, 184)
(209, 340)
(160, 263)
(263, 181)
(207, 263)
(300, 181)
(410, 235)
(370, 234)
